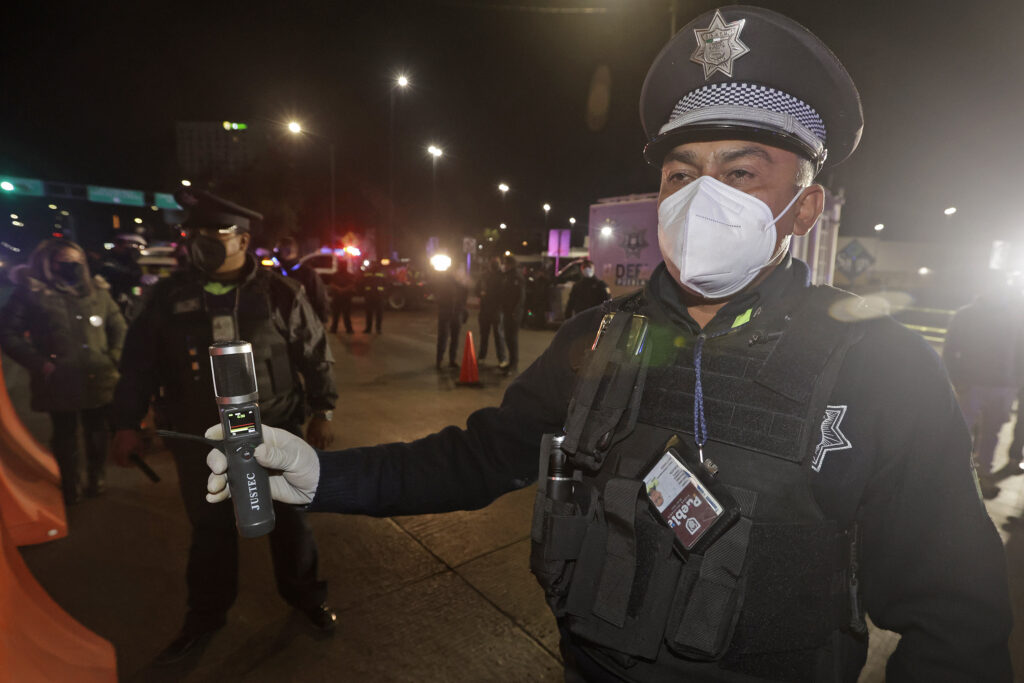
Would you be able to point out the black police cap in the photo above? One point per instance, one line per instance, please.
(749, 73)
(207, 210)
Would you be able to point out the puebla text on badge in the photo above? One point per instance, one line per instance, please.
(681, 499)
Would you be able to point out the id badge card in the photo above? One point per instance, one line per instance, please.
(224, 328)
(683, 501)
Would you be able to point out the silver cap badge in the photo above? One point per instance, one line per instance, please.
(719, 45)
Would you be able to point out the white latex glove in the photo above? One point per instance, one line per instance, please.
(292, 464)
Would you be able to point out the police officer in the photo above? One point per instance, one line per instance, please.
(120, 267)
(450, 294)
(742, 465)
(343, 287)
(372, 286)
(984, 355)
(513, 298)
(489, 291)
(287, 253)
(587, 292)
(224, 295)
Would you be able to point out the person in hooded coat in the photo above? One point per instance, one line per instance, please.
(64, 327)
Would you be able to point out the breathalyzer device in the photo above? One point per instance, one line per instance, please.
(234, 386)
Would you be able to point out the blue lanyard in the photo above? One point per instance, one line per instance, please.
(700, 424)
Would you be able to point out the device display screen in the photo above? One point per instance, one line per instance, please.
(241, 422)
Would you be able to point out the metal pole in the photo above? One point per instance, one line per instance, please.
(390, 228)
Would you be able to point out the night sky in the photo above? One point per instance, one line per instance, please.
(91, 94)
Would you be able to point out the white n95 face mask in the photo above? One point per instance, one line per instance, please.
(718, 237)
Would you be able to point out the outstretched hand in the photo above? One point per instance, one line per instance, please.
(292, 464)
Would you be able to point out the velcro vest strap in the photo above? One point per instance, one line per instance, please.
(796, 363)
(606, 389)
(616, 582)
(711, 610)
(590, 381)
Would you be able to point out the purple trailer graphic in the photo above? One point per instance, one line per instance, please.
(624, 240)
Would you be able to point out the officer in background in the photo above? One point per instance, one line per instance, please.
(343, 287)
(587, 292)
(224, 295)
(513, 298)
(741, 465)
(489, 291)
(371, 284)
(984, 355)
(450, 294)
(287, 253)
(120, 267)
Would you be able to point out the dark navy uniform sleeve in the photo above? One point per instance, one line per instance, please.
(462, 468)
(933, 567)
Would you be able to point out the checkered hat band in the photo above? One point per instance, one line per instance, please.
(754, 97)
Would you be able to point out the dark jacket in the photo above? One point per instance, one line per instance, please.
(79, 330)
(489, 291)
(316, 291)
(985, 344)
(166, 353)
(513, 293)
(901, 470)
(450, 295)
(586, 293)
(372, 284)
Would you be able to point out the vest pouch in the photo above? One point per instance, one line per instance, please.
(626, 565)
(709, 596)
(794, 589)
(555, 541)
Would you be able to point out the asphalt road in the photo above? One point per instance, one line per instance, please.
(427, 598)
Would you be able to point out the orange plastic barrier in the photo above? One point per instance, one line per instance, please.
(40, 642)
(16, 441)
(469, 374)
(31, 505)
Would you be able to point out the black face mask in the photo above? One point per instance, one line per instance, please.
(71, 272)
(208, 254)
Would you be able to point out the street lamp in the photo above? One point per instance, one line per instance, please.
(950, 211)
(503, 187)
(503, 226)
(295, 128)
(879, 227)
(184, 183)
(572, 221)
(547, 210)
(435, 154)
(401, 82)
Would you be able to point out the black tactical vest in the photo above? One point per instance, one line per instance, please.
(766, 598)
(186, 401)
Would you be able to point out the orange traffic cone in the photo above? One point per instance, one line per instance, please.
(469, 374)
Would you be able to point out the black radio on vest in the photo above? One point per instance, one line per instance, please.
(234, 384)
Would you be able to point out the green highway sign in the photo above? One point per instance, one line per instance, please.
(165, 201)
(114, 195)
(26, 186)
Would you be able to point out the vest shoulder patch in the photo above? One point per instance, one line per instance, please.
(832, 437)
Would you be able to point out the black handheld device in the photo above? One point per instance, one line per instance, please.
(234, 386)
